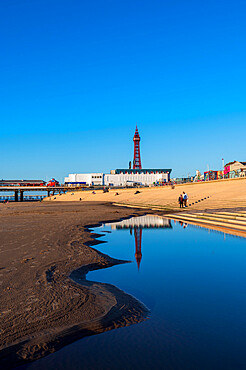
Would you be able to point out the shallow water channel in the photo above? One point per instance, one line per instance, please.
(193, 282)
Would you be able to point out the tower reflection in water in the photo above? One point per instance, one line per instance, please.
(136, 225)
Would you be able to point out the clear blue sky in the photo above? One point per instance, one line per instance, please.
(77, 75)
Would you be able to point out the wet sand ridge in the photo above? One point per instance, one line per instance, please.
(41, 307)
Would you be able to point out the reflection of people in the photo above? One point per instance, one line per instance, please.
(181, 201)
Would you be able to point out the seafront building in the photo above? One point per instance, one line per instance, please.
(235, 169)
(120, 177)
(231, 170)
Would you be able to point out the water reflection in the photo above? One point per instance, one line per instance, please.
(183, 224)
(193, 282)
(138, 224)
(143, 222)
(229, 232)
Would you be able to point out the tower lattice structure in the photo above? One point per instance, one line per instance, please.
(137, 159)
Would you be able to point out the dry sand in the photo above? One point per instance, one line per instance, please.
(41, 307)
(222, 194)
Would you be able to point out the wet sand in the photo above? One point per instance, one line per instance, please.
(45, 300)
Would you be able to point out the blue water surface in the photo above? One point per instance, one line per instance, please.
(193, 282)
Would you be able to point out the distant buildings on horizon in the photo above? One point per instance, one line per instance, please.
(120, 177)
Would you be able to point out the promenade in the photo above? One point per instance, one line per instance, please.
(204, 195)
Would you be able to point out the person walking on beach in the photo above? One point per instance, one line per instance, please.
(181, 204)
(185, 198)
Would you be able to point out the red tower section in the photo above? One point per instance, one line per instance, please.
(138, 245)
(137, 159)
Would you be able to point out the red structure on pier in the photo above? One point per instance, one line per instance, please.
(137, 160)
(138, 245)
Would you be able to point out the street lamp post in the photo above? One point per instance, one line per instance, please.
(223, 168)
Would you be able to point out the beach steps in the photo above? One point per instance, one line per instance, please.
(224, 220)
(194, 203)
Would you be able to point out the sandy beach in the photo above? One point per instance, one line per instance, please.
(204, 195)
(47, 249)
(42, 307)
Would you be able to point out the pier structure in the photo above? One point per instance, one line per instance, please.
(18, 191)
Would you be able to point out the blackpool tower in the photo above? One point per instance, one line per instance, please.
(137, 159)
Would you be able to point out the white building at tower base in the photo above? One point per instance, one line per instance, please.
(120, 177)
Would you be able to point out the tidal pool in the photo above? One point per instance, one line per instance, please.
(193, 282)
